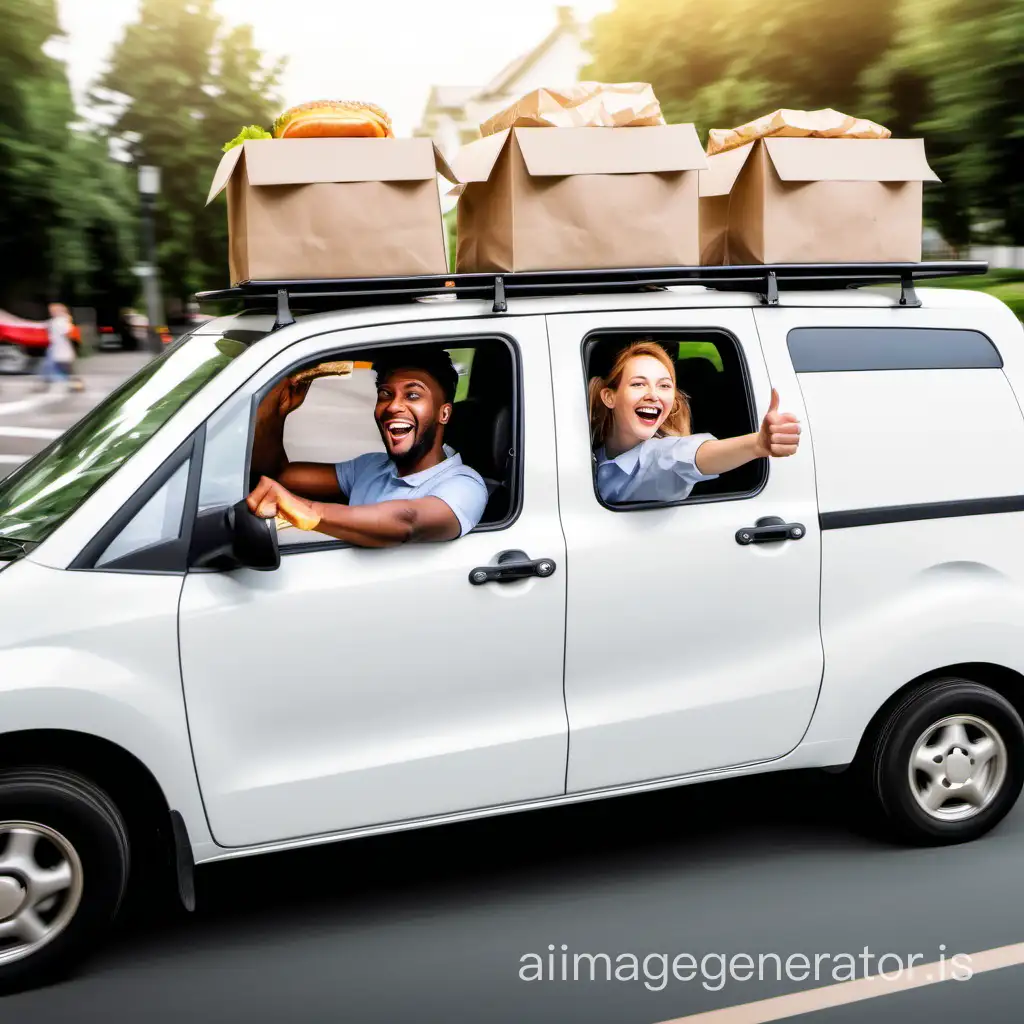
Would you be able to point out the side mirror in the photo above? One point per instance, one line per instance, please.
(231, 537)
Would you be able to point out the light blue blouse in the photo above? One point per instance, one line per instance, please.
(659, 469)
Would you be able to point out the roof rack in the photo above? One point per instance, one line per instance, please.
(764, 279)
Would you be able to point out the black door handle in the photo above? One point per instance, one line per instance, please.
(512, 565)
(769, 529)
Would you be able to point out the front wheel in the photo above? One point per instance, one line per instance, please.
(948, 763)
(64, 864)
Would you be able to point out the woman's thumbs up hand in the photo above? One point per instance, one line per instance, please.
(780, 432)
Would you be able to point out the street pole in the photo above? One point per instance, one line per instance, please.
(149, 188)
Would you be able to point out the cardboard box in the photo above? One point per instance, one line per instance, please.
(579, 198)
(329, 208)
(805, 200)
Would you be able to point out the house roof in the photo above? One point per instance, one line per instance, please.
(502, 82)
(451, 96)
(456, 97)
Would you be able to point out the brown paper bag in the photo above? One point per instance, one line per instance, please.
(583, 105)
(816, 186)
(534, 199)
(816, 124)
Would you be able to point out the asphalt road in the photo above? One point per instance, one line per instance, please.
(432, 926)
(30, 418)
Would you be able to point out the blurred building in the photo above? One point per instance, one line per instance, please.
(453, 113)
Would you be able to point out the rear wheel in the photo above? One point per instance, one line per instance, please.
(64, 863)
(948, 763)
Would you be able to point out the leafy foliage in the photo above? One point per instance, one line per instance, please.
(181, 82)
(721, 64)
(951, 71)
(955, 74)
(65, 227)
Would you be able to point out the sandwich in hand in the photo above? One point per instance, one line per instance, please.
(339, 368)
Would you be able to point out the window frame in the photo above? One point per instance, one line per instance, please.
(171, 558)
(166, 558)
(445, 341)
(817, 349)
(661, 334)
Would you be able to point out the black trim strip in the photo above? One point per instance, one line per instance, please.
(913, 513)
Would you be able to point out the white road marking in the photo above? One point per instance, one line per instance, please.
(28, 404)
(42, 433)
(38, 401)
(844, 992)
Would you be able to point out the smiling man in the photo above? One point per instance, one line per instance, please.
(418, 489)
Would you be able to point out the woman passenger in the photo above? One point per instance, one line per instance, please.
(640, 428)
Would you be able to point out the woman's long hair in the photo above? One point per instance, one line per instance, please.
(677, 423)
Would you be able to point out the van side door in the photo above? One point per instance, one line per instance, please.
(353, 687)
(691, 645)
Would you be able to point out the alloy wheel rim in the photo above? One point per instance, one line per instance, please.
(957, 767)
(41, 882)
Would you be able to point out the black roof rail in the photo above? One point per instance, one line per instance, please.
(767, 280)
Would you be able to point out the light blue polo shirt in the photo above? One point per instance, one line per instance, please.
(373, 477)
(659, 469)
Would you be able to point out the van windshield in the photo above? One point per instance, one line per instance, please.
(38, 496)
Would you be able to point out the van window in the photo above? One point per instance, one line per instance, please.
(157, 522)
(944, 423)
(711, 372)
(335, 423)
(38, 496)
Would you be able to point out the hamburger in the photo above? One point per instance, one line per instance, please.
(333, 119)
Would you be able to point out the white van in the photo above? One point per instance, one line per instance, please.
(181, 682)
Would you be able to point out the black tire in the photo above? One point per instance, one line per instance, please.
(89, 821)
(886, 767)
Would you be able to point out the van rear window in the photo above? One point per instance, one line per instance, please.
(837, 349)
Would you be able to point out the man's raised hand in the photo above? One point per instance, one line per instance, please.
(292, 395)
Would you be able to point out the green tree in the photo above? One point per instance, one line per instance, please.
(722, 64)
(64, 230)
(180, 84)
(955, 75)
(96, 240)
(950, 71)
(34, 113)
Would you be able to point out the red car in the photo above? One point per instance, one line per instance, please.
(22, 341)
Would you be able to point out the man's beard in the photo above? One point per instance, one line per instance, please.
(418, 450)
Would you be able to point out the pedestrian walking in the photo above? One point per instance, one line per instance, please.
(60, 352)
